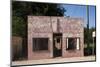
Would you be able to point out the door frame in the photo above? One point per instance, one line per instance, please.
(55, 54)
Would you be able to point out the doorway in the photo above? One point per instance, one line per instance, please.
(57, 44)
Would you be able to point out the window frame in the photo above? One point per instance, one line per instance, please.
(40, 50)
(76, 44)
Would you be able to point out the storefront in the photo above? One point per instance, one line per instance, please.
(50, 37)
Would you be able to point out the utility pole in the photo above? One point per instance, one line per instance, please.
(87, 8)
(93, 35)
(93, 47)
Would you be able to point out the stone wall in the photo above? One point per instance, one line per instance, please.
(45, 26)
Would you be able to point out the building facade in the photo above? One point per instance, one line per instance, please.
(51, 36)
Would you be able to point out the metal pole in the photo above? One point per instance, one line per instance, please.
(88, 24)
(87, 8)
(93, 46)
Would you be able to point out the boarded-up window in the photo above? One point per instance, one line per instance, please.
(72, 43)
(40, 44)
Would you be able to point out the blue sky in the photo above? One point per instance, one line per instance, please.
(80, 11)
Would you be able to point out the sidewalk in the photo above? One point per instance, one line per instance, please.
(54, 60)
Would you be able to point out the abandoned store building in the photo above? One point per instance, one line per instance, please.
(53, 36)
